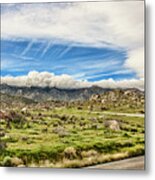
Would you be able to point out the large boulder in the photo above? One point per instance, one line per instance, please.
(112, 124)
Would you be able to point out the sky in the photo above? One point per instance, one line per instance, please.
(73, 45)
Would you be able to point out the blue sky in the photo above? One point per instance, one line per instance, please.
(75, 39)
(81, 62)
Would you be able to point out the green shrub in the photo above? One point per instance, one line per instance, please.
(7, 161)
(126, 135)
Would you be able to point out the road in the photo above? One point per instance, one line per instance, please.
(115, 113)
(130, 164)
(124, 114)
(121, 114)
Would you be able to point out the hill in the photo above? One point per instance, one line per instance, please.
(118, 100)
(51, 93)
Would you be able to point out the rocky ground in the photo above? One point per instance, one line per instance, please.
(71, 134)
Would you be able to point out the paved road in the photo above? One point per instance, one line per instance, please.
(115, 113)
(112, 113)
(121, 114)
(124, 114)
(130, 163)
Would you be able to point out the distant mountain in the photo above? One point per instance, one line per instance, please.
(93, 98)
(9, 100)
(39, 94)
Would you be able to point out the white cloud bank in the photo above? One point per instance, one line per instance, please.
(46, 79)
(136, 61)
(117, 23)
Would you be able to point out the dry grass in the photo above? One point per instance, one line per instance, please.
(88, 161)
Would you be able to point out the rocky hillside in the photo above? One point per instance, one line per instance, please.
(94, 98)
(47, 93)
(12, 101)
(129, 99)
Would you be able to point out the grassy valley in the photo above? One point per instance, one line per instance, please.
(71, 134)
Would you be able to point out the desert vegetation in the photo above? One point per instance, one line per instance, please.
(69, 134)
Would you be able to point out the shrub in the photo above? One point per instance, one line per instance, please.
(135, 151)
(60, 131)
(7, 161)
(55, 124)
(17, 119)
(70, 153)
(64, 117)
(89, 153)
(16, 161)
(94, 126)
(126, 135)
(2, 141)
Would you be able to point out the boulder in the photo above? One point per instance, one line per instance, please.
(112, 124)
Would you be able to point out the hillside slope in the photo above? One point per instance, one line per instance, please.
(118, 99)
(51, 93)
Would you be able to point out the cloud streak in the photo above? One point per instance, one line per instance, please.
(112, 25)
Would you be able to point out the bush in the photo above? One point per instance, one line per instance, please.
(60, 131)
(17, 119)
(16, 161)
(135, 151)
(70, 153)
(126, 135)
(90, 153)
(7, 161)
(2, 141)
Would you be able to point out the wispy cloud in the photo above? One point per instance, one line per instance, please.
(27, 48)
(93, 23)
(72, 38)
(60, 58)
(105, 75)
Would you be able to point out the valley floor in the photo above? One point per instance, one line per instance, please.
(71, 138)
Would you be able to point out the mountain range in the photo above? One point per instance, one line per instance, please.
(94, 97)
(39, 94)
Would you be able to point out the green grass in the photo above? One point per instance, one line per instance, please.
(42, 141)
